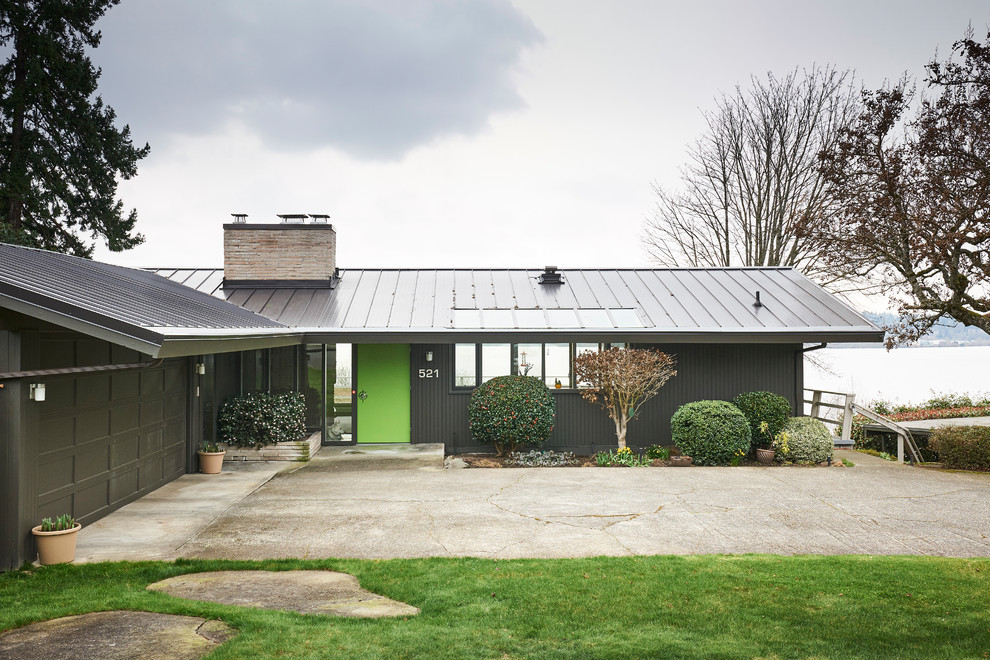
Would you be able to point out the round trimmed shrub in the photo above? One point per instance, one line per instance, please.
(710, 432)
(510, 412)
(808, 441)
(259, 419)
(759, 407)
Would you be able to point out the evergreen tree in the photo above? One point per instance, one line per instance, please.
(60, 151)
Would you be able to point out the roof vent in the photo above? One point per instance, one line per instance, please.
(551, 276)
(239, 218)
(319, 218)
(757, 303)
(293, 218)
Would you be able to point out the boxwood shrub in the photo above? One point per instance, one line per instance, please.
(808, 441)
(259, 419)
(510, 412)
(710, 432)
(759, 407)
(962, 447)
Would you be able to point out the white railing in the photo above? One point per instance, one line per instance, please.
(849, 408)
(843, 421)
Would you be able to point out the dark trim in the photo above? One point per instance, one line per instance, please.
(328, 283)
(815, 348)
(245, 226)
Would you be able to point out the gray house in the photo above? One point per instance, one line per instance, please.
(110, 377)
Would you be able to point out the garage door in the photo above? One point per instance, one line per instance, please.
(106, 439)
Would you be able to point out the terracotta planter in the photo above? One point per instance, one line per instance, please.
(56, 547)
(211, 462)
(765, 456)
(681, 461)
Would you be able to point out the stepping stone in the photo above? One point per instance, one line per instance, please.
(308, 592)
(117, 635)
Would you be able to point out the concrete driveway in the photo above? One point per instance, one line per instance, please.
(333, 508)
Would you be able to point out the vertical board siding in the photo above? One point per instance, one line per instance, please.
(704, 371)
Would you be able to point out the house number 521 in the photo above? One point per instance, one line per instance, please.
(429, 373)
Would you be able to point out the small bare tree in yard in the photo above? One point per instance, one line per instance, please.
(623, 379)
(753, 180)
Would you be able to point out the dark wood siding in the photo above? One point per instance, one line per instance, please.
(106, 439)
(705, 371)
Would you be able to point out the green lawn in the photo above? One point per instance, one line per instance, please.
(639, 607)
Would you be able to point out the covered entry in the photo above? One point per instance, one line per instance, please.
(382, 384)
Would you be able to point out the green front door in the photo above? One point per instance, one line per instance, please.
(382, 382)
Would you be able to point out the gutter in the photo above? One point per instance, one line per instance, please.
(64, 371)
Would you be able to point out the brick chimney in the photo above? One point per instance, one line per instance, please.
(292, 250)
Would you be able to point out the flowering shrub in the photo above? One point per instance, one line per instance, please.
(654, 452)
(259, 419)
(510, 412)
(623, 457)
(548, 458)
(808, 441)
(766, 413)
(962, 447)
(710, 432)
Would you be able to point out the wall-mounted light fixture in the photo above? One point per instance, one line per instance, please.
(201, 369)
(429, 356)
(37, 392)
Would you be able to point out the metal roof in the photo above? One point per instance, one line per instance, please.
(131, 307)
(669, 304)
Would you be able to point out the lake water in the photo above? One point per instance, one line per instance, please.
(904, 375)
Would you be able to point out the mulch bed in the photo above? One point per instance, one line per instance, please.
(488, 461)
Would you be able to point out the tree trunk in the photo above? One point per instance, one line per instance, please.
(18, 93)
(620, 430)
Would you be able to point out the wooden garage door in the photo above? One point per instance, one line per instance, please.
(106, 439)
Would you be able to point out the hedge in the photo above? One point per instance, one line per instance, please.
(259, 419)
(710, 432)
(962, 447)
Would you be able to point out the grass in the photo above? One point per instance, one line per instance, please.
(848, 463)
(675, 607)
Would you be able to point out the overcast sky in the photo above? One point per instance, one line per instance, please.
(480, 133)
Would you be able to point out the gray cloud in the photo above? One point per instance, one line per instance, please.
(373, 79)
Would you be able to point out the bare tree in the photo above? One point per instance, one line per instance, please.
(915, 212)
(753, 183)
(621, 380)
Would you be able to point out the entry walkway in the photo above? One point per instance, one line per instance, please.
(333, 508)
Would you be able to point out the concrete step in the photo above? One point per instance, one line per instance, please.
(397, 456)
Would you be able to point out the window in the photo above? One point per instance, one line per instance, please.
(465, 365)
(557, 358)
(496, 360)
(527, 360)
(552, 363)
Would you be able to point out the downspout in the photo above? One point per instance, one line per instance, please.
(799, 376)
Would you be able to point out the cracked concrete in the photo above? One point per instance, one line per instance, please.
(332, 508)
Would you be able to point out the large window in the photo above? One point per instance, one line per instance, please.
(553, 363)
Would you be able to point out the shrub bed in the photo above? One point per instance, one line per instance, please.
(766, 412)
(260, 419)
(710, 432)
(962, 447)
(510, 412)
(808, 441)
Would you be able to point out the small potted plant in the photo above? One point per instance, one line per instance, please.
(56, 539)
(779, 444)
(211, 458)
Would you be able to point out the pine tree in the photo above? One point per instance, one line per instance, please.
(60, 151)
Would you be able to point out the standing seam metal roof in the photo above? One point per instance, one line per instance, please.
(663, 300)
(116, 296)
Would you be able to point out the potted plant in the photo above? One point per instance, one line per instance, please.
(779, 443)
(56, 539)
(211, 458)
